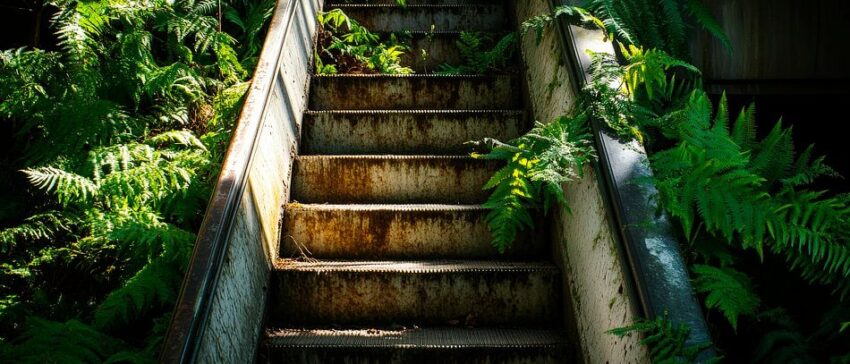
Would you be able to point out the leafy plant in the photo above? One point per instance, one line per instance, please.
(344, 46)
(647, 24)
(536, 165)
(481, 54)
(118, 135)
(726, 289)
(667, 342)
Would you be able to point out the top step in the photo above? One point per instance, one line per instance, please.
(419, 2)
(424, 17)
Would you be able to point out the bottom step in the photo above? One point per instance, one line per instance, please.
(431, 345)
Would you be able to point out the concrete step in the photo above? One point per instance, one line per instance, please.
(424, 17)
(416, 91)
(405, 131)
(427, 345)
(391, 179)
(395, 232)
(485, 293)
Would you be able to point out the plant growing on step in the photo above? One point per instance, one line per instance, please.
(537, 164)
(344, 46)
(481, 54)
(666, 341)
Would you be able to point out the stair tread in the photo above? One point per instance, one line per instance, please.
(386, 207)
(416, 111)
(412, 75)
(390, 156)
(413, 266)
(411, 6)
(423, 338)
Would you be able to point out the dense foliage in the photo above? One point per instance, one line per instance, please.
(741, 197)
(344, 46)
(120, 129)
(481, 53)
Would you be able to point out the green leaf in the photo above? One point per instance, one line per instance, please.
(727, 290)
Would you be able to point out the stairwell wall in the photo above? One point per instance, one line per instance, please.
(597, 287)
(219, 316)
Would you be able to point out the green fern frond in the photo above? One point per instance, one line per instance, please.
(481, 54)
(155, 285)
(727, 290)
(46, 341)
(179, 137)
(537, 163)
(41, 226)
(666, 341)
(704, 18)
(68, 187)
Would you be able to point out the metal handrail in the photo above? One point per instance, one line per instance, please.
(658, 271)
(190, 314)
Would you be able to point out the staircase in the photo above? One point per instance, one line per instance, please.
(385, 255)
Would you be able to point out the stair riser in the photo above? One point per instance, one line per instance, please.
(391, 180)
(520, 298)
(396, 235)
(412, 92)
(395, 133)
(421, 18)
(392, 356)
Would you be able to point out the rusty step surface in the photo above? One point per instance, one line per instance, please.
(327, 231)
(405, 131)
(426, 345)
(420, 2)
(416, 91)
(480, 293)
(424, 17)
(389, 179)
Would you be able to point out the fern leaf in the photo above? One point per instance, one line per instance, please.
(706, 20)
(46, 341)
(180, 137)
(68, 187)
(154, 286)
(726, 290)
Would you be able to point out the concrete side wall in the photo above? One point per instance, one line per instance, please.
(237, 310)
(596, 282)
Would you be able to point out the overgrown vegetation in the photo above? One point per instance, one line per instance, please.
(668, 341)
(740, 197)
(344, 46)
(536, 165)
(120, 131)
(481, 54)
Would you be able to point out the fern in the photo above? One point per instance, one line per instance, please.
(666, 341)
(55, 342)
(155, 285)
(345, 46)
(121, 128)
(536, 165)
(41, 226)
(649, 24)
(69, 187)
(727, 290)
(481, 54)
